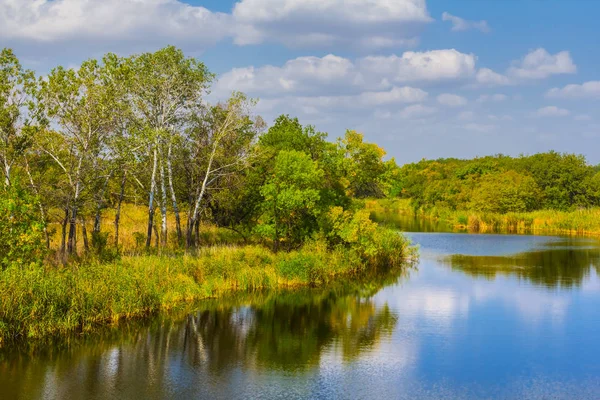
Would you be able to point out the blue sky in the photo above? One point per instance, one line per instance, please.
(425, 79)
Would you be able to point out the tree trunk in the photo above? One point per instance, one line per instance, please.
(86, 244)
(118, 212)
(71, 247)
(63, 244)
(151, 201)
(40, 205)
(100, 205)
(6, 173)
(163, 203)
(173, 196)
(195, 213)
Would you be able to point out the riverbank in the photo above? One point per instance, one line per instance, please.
(579, 222)
(39, 302)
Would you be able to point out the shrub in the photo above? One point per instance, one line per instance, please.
(21, 231)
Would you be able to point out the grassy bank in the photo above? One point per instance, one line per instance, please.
(582, 222)
(40, 302)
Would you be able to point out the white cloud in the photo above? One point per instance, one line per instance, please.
(333, 75)
(396, 95)
(551, 111)
(303, 75)
(98, 23)
(417, 111)
(432, 65)
(539, 64)
(366, 23)
(460, 24)
(487, 77)
(451, 100)
(498, 97)
(589, 89)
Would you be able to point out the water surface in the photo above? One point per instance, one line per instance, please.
(481, 317)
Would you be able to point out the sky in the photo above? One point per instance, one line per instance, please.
(422, 78)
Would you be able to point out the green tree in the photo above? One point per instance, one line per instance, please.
(166, 90)
(291, 198)
(365, 169)
(16, 86)
(21, 230)
(505, 192)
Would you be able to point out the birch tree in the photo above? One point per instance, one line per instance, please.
(77, 102)
(15, 97)
(221, 144)
(166, 88)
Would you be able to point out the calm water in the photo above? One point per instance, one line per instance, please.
(481, 317)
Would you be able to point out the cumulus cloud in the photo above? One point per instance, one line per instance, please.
(460, 24)
(536, 65)
(539, 64)
(432, 65)
(551, 111)
(99, 23)
(417, 111)
(589, 89)
(340, 76)
(367, 23)
(451, 100)
(488, 77)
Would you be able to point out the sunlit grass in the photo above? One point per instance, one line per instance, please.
(583, 221)
(38, 302)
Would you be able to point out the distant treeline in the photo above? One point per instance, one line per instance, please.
(501, 184)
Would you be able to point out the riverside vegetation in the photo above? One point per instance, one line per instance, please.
(125, 193)
(547, 192)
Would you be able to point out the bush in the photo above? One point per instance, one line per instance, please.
(21, 230)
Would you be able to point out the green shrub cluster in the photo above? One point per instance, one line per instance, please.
(21, 231)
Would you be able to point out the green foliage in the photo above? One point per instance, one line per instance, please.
(372, 243)
(291, 199)
(21, 231)
(505, 192)
(500, 184)
(367, 173)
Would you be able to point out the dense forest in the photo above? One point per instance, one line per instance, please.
(501, 184)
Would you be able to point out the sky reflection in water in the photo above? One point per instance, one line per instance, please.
(484, 316)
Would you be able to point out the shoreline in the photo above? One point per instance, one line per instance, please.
(536, 222)
(44, 303)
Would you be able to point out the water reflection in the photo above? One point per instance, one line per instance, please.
(412, 223)
(561, 263)
(258, 333)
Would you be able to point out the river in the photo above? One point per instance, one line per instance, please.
(479, 317)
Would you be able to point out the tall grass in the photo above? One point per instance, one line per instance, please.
(582, 222)
(40, 302)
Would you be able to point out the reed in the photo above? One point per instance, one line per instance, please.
(39, 302)
(581, 221)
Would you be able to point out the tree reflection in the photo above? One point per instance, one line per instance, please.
(199, 352)
(562, 264)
